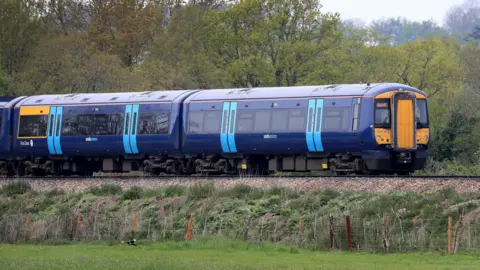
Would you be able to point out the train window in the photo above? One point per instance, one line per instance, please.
(279, 120)
(311, 116)
(108, 124)
(58, 126)
(421, 113)
(245, 122)
(195, 122)
(50, 132)
(319, 121)
(336, 119)
(382, 113)
(356, 113)
(32, 126)
(232, 120)
(262, 121)
(69, 125)
(86, 125)
(212, 122)
(296, 120)
(127, 123)
(134, 124)
(153, 123)
(224, 125)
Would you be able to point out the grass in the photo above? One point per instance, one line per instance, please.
(215, 254)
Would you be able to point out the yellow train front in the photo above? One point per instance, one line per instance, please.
(400, 129)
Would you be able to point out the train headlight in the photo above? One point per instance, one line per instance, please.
(425, 138)
(379, 138)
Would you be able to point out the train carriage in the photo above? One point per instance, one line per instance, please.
(84, 133)
(343, 128)
(351, 128)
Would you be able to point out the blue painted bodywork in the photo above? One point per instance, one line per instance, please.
(105, 145)
(318, 98)
(314, 138)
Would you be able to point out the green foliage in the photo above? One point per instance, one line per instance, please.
(175, 191)
(105, 189)
(49, 47)
(134, 193)
(15, 188)
(200, 191)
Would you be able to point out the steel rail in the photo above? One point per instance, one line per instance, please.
(252, 177)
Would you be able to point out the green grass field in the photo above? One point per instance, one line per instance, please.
(215, 254)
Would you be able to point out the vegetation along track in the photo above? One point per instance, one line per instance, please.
(379, 184)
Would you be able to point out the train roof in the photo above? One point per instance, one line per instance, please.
(4, 100)
(105, 98)
(299, 91)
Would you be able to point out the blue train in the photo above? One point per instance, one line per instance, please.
(351, 128)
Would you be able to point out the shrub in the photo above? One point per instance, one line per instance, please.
(16, 188)
(200, 191)
(132, 194)
(105, 190)
(175, 191)
(54, 192)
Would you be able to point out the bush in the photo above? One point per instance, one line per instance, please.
(133, 193)
(105, 190)
(16, 188)
(175, 191)
(54, 192)
(200, 191)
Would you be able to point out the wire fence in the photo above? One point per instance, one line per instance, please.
(334, 232)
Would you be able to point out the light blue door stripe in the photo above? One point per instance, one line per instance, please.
(317, 134)
(126, 136)
(310, 125)
(225, 125)
(53, 111)
(56, 139)
(133, 129)
(231, 127)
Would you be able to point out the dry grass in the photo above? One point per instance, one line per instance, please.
(377, 185)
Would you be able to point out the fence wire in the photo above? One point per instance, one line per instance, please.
(318, 232)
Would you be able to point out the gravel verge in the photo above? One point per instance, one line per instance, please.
(377, 185)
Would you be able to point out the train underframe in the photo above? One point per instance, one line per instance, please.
(368, 162)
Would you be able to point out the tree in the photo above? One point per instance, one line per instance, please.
(21, 29)
(431, 65)
(470, 57)
(401, 30)
(270, 42)
(125, 28)
(460, 20)
(66, 65)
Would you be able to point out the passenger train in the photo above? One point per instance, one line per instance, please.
(345, 129)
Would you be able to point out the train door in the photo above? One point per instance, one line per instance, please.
(130, 127)
(314, 125)
(404, 125)
(227, 135)
(54, 130)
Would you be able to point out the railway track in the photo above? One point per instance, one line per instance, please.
(370, 184)
(245, 177)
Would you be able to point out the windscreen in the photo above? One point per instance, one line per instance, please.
(421, 114)
(382, 113)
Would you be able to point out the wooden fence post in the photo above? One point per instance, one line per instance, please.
(300, 230)
(349, 233)
(79, 222)
(450, 244)
(27, 231)
(332, 232)
(189, 228)
(387, 233)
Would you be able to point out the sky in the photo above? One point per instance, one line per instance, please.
(368, 10)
